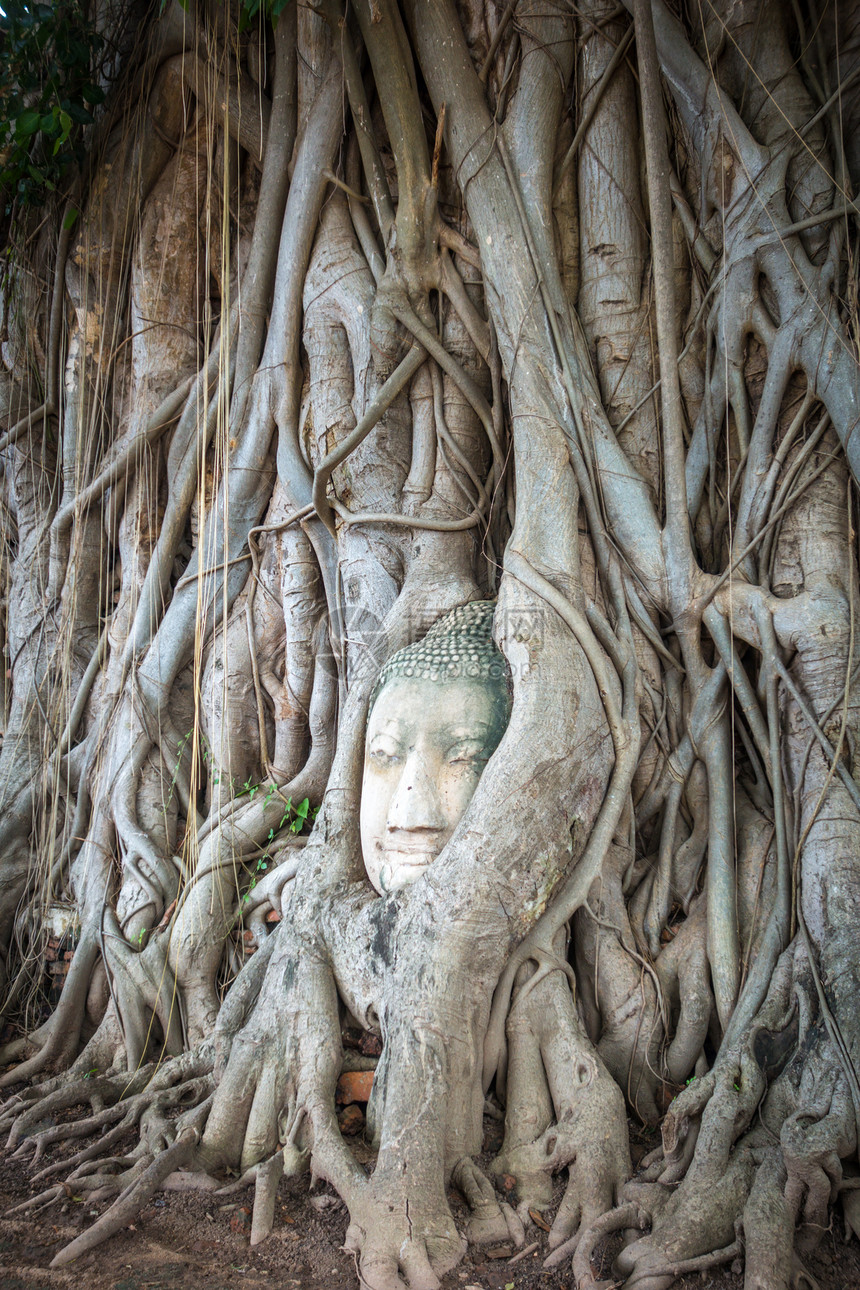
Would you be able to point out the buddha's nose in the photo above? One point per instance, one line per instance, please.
(415, 804)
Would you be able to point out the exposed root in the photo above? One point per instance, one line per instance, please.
(552, 1061)
(700, 1264)
(423, 1246)
(625, 1216)
(129, 1202)
(491, 1222)
(118, 1103)
(739, 1154)
(95, 1092)
(269, 1175)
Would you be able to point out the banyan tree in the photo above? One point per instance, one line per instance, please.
(431, 609)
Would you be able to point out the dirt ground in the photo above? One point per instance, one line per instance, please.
(199, 1241)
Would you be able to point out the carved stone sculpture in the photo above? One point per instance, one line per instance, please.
(438, 712)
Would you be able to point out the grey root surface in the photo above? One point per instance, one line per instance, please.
(369, 313)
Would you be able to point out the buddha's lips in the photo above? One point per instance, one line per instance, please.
(410, 855)
(418, 854)
(405, 847)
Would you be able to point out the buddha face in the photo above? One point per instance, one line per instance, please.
(427, 745)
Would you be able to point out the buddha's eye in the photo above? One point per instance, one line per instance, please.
(468, 755)
(383, 756)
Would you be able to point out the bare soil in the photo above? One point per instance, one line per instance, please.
(200, 1241)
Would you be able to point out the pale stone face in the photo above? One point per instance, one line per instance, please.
(427, 745)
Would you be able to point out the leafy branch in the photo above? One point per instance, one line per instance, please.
(48, 88)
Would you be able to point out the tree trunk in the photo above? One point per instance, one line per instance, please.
(370, 313)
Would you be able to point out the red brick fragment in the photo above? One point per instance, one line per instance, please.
(241, 1220)
(351, 1120)
(354, 1086)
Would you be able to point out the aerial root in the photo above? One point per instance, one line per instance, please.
(578, 1113)
(269, 1175)
(516, 1229)
(672, 1168)
(380, 1271)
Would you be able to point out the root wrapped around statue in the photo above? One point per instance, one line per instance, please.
(429, 481)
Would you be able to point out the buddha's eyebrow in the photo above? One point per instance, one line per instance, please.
(392, 726)
(476, 730)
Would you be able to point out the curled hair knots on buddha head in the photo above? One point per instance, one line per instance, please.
(459, 645)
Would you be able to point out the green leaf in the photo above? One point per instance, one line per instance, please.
(28, 123)
(79, 52)
(79, 114)
(66, 124)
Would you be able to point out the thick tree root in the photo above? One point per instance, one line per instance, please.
(738, 1155)
(118, 1103)
(129, 1202)
(389, 1240)
(491, 1222)
(269, 1175)
(625, 1216)
(563, 1110)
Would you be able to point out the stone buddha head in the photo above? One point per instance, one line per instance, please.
(437, 714)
